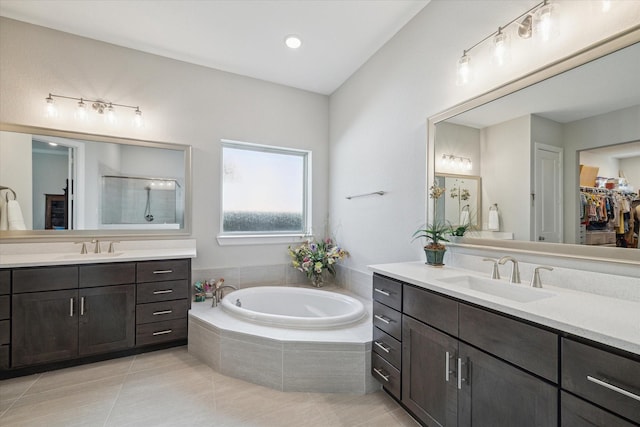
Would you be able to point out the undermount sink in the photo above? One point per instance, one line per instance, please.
(91, 255)
(514, 292)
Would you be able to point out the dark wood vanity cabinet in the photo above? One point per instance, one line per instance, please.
(60, 313)
(58, 319)
(464, 365)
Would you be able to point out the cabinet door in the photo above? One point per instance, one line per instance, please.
(428, 373)
(107, 319)
(577, 413)
(44, 327)
(494, 393)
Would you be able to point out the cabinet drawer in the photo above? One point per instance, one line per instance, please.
(158, 332)
(5, 282)
(435, 310)
(45, 279)
(4, 356)
(162, 291)
(386, 374)
(576, 412)
(107, 274)
(154, 271)
(387, 347)
(529, 347)
(5, 307)
(5, 332)
(387, 291)
(388, 320)
(595, 375)
(160, 311)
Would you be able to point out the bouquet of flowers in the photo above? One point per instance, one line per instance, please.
(312, 258)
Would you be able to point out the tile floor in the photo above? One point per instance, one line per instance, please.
(172, 388)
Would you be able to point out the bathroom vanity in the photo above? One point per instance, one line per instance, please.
(454, 354)
(68, 308)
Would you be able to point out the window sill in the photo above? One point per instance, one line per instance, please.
(257, 239)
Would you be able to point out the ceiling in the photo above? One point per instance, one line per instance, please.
(240, 36)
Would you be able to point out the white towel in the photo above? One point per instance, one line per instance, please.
(4, 221)
(14, 214)
(464, 217)
(494, 221)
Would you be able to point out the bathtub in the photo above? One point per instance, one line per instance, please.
(289, 307)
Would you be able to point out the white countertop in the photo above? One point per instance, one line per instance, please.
(603, 319)
(65, 253)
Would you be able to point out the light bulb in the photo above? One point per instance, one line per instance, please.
(51, 110)
(110, 115)
(501, 48)
(468, 164)
(137, 118)
(292, 41)
(81, 111)
(443, 160)
(544, 25)
(464, 70)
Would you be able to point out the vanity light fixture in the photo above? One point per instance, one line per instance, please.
(537, 21)
(293, 41)
(456, 162)
(106, 109)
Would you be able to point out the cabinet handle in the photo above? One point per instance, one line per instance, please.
(382, 319)
(380, 291)
(158, 313)
(379, 372)
(460, 379)
(613, 387)
(70, 307)
(168, 331)
(162, 271)
(166, 291)
(379, 345)
(81, 306)
(447, 365)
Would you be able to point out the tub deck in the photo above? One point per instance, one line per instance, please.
(336, 360)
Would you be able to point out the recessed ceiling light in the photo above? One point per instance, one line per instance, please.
(292, 41)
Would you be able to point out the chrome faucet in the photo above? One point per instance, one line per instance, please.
(535, 280)
(515, 271)
(218, 294)
(97, 249)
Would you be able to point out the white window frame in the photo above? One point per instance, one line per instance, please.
(273, 237)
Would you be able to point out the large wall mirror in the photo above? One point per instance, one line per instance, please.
(541, 144)
(56, 184)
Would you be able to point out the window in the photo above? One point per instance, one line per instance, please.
(265, 191)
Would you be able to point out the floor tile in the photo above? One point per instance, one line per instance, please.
(13, 388)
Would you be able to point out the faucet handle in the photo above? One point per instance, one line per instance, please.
(84, 247)
(495, 273)
(111, 247)
(97, 249)
(535, 280)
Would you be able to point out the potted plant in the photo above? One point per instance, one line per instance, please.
(434, 250)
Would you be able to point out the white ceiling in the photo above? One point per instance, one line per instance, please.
(240, 36)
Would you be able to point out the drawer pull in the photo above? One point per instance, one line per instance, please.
(612, 387)
(379, 345)
(81, 306)
(70, 307)
(162, 271)
(158, 313)
(380, 291)
(166, 291)
(383, 319)
(381, 373)
(168, 331)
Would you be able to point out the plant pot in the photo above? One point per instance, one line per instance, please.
(435, 256)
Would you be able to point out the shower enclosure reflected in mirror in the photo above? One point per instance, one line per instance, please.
(81, 184)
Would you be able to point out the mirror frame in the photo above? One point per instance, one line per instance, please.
(65, 235)
(564, 250)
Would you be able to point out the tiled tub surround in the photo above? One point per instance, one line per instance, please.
(63, 253)
(607, 314)
(332, 360)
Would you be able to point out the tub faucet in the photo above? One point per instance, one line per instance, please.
(515, 271)
(218, 294)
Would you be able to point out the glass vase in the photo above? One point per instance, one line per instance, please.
(317, 280)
